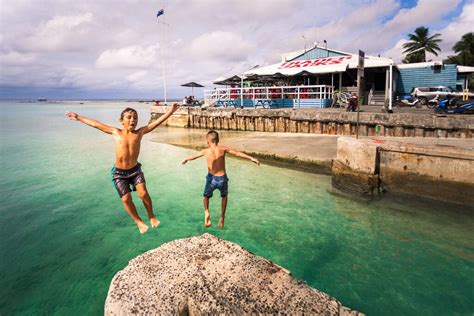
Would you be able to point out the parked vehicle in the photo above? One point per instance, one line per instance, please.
(408, 102)
(426, 94)
(341, 99)
(433, 102)
(352, 104)
(452, 105)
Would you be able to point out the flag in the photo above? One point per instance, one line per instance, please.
(161, 12)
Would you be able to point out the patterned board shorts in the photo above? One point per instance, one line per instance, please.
(216, 182)
(124, 178)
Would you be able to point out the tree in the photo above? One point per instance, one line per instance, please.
(465, 51)
(419, 43)
(415, 57)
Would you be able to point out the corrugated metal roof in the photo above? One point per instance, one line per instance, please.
(420, 65)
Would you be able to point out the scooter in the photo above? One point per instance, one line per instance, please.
(433, 102)
(352, 104)
(408, 102)
(453, 106)
(341, 99)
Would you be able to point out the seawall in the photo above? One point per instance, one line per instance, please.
(369, 168)
(326, 121)
(440, 167)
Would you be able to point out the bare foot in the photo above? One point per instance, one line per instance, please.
(221, 223)
(142, 227)
(154, 222)
(207, 219)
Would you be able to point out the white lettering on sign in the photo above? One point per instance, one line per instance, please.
(315, 62)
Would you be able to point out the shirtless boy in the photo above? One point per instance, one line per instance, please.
(127, 170)
(216, 177)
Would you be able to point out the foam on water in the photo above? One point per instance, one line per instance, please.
(64, 233)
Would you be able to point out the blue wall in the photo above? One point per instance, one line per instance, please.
(317, 53)
(426, 77)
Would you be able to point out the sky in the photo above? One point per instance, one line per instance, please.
(118, 49)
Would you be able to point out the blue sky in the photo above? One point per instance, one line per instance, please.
(96, 49)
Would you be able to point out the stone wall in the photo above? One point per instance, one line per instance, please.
(322, 122)
(368, 168)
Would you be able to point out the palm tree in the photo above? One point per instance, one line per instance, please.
(465, 49)
(421, 42)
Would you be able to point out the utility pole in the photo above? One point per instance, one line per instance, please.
(360, 86)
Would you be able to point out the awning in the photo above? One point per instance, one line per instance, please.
(228, 81)
(465, 69)
(318, 66)
(310, 66)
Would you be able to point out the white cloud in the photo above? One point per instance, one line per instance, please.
(61, 33)
(131, 57)
(223, 45)
(94, 45)
(449, 35)
(406, 21)
(343, 33)
(456, 29)
(136, 76)
(17, 59)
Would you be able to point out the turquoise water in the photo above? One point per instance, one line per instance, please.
(64, 233)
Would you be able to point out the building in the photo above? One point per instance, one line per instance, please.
(308, 78)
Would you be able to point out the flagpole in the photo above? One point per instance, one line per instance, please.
(164, 63)
(166, 25)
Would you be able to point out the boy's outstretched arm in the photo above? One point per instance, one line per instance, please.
(242, 155)
(195, 156)
(93, 123)
(148, 128)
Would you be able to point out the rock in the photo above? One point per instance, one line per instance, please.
(208, 275)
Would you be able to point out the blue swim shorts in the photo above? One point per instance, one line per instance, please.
(124, 178)
(216, 182)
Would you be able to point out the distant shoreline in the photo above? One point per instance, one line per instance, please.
(41, 100)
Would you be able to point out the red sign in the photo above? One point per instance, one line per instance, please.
(315, 62)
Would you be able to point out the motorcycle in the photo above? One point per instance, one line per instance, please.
(352, 104)
(454, 106)
(408, 102)
(341, 99)
(433, 102)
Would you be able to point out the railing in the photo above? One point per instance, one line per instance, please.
(316, 92)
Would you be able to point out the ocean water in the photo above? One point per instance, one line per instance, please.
(64, 234)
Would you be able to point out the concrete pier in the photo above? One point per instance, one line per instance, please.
(322, 121)
(425, 155)
(368, 167)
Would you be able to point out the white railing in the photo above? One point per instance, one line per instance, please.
(269, 93)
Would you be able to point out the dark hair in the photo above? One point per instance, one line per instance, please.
(127, 110)
(213, 137)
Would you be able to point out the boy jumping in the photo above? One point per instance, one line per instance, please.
(127, 170)
(216, 177)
